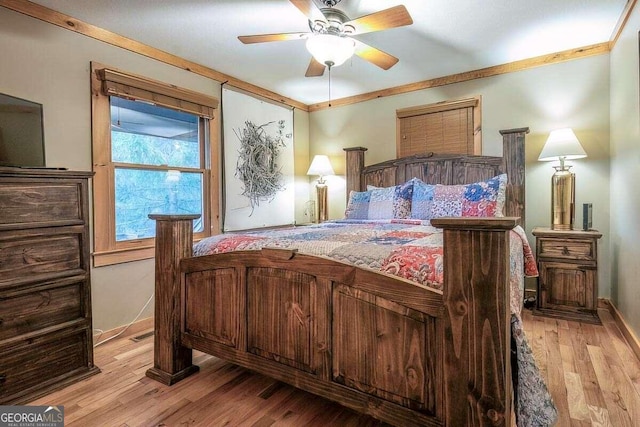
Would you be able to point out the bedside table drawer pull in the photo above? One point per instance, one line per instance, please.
(565, 250)
(3, 378)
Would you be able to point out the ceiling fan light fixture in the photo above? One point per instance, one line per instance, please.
(330, 49)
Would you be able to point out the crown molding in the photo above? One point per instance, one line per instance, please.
(61, 20)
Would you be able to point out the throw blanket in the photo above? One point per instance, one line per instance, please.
(411, 249)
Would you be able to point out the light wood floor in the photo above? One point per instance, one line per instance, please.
(592, 373)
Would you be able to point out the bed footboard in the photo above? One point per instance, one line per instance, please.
(477, 326)
(380, 345)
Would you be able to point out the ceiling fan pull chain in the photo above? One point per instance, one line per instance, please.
(329, 67)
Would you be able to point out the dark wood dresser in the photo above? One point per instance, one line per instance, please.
(46, 337)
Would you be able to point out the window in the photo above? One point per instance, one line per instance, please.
(450, 127)
(152, 151)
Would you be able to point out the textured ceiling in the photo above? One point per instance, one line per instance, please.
(447, 37)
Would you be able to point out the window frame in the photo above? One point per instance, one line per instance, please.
(106, 250)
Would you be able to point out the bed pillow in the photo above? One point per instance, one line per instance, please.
(381, 203)
(391, 202)
(422, 200)
(479, 199)
(358, 205)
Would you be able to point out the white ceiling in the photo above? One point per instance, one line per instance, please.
(447, 37)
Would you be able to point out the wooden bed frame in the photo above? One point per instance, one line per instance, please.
(380, 345)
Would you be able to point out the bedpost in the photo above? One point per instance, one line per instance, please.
(174, 240)
(354, 167)
(477, 373)
(513, 159)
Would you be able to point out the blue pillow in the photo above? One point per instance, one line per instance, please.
(358, 205)
(422, 200)
(381, 203)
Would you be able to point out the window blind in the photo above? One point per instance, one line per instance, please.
(130, 86)
(443, 128)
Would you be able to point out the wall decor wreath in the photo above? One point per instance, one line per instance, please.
(257, 166)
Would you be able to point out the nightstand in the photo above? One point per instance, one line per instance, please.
(568, 268)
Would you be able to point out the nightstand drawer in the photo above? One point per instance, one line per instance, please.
(568, 249)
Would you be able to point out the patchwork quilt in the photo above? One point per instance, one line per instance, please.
(408, 248)
(411, 249)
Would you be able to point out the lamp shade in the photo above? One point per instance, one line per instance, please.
(320, 166)
(562, 143)
(330, 49)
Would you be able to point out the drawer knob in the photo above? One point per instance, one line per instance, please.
(3, 378)
(565, 250)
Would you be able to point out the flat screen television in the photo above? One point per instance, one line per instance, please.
(21, 133)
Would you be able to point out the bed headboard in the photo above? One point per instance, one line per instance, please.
(447, 169)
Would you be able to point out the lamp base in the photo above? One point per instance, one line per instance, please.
(323, 209)
(561, 227)
(562, 199)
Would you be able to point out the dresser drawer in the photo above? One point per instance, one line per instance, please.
(36, 255)
(568, 249)
(38, 307)
(41, 363)
(40, 202)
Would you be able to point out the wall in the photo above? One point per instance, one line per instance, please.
(571, 94)
(625, 174)
(50, 65)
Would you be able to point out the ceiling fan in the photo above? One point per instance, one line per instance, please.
(330, 40)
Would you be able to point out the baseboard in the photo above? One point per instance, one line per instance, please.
(627, 332)
(135, 328)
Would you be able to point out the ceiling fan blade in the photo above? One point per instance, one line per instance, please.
(396, 16)
(309, 8)
(262, 38)
(315, 69)
(375, 56)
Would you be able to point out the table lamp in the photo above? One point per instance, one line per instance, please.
(321, 166)
(562, 145)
